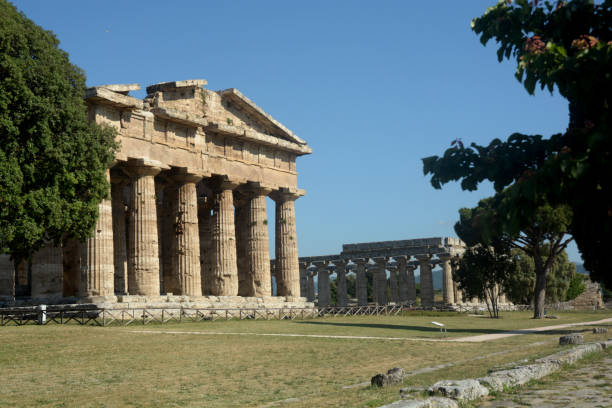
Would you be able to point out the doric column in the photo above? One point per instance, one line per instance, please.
(166, 196)
(310, 292)
(341, 292)
(393, 284)
(402, 278)
(241, 227)
(323, 285)
(257, 241)
(380, 275)
(458, 293)
(361, 281)
(412, 297)
(205, 231)
(119, 234)
(185, 238)
(143, 254)
(303, 279)
(47, 271)
(427, 293)
(224, 280)
(97, 255)
(71, 259)
(448, 293)
(7, 278)
(287, 269)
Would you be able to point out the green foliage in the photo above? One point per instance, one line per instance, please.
(52, 161)
(576, 287)
(482, 271)
(565, 45)
(520, 287)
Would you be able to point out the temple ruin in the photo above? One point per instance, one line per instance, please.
(187, 211)
(399, 258)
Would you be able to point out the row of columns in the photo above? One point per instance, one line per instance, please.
(180, 235)
(401, 287)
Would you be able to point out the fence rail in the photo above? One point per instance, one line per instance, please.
(91, 315)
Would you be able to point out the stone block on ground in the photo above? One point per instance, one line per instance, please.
(571, 339)
(572, 355)
(517, 376)
(600, 330)
(433, 402)
(460, 389)
(393, 376)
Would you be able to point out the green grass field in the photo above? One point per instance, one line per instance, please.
(246, 363)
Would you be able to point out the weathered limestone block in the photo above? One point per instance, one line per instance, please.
(47, 271)
(341, 289)
(119, 235)
(143, 254)
(432, 402)
(393, 376)
(287, 267)
(186, 239)
(7, 278)
(459, 389)
(361, 282)
(98, 257)
(258, 249)
(427, 292)
(571, 339)
(600, 330)
(224, 280)
(448, 292)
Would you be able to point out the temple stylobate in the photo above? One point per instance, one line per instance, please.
(187, 211)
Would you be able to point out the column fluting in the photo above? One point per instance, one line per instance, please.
(119, 236)
(427, 292)
(257, 242)
(47, 273)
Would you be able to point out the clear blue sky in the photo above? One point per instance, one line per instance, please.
(373, 87)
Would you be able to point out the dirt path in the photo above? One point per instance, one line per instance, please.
(489, 337)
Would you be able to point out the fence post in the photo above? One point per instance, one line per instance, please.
(42, 314)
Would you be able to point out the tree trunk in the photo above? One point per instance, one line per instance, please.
(540, 290)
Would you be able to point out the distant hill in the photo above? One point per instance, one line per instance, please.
(580, 269)
(437, 279)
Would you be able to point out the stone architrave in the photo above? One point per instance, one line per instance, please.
(119, 235)
(303, 280)
(341, 290)
(393, 285)
(324, 291)
(98, 256)
(257, 242)
(402, 278)
(427, 292)
(224, 280)
(380, 276)
(412, 297)
(185, 234)
(287, 267)
(448, 293)
(205, 231)
(47, 271)
(143, 254)
(361, 281)
(7, 278)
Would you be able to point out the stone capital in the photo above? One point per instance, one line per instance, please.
(444, 257)
(143, 167)
(286, 194)
(423, 258)
(186, 175)
(118, 177)
(254, 189)
(223, 183)
(360, 261)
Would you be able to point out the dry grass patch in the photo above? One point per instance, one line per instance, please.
(66, 366)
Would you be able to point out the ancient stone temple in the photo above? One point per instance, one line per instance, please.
(187, 210)
(376, 260)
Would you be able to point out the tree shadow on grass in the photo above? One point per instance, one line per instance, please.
(435, 329)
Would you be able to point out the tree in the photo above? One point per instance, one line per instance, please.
(483, 271)
(576, 286)
(520, 286)
(565, 46)
(53, 162)
(543, 239)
